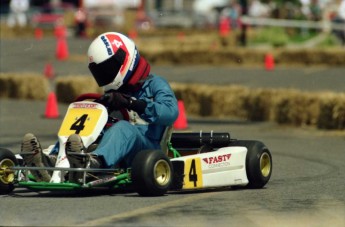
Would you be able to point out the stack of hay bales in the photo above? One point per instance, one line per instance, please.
(311, 56)
(284, 106)
(332, 111)
(68, 88)
(324, 110)
(296, 108)
(23, 86)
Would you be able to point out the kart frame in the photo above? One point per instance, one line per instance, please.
(186, 161)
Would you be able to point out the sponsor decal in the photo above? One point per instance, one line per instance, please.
(133, 61)
(107, 45)
(85, 105)
(219, 165)
(218, 161)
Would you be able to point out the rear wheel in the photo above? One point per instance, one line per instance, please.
(258, 162)
(7, 160)
(151, 173)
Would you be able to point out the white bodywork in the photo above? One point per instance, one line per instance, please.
(224, 167)
(92, 116)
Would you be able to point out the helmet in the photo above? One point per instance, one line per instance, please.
(113, 58)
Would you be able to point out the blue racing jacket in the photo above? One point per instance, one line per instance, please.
(161, 110)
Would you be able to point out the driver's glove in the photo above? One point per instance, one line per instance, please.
(117, 101)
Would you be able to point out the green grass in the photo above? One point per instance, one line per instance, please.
(279, 37)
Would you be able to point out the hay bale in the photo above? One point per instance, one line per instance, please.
(229, 101)
(296, 108)
(332, 111)
(191, 97)
(70, 87)
(339, 112)
(24, 86)
(199, 50)
(311, 57)
(259, 104)
(4, 86)
(178, 89)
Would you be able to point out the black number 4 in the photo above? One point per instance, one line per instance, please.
(193, 177)
(79, 125)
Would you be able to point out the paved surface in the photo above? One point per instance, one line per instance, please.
(306, 188)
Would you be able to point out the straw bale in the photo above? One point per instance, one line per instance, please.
(191, 96)
(229, 101)
(68, 88)
(23, 86)
(332, 111)
(297, 108)
(4, 86)
(312, 56)
(260, 104)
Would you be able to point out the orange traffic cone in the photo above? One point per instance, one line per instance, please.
(269, 62)
(60, 30)
(61, 49)
(38, 34)
(224, 27)
(49, 71)
(181, 121)
(181, 36)
(52, 107)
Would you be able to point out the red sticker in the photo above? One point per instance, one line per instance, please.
(116, 43)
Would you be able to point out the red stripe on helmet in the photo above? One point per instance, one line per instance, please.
(116, 43)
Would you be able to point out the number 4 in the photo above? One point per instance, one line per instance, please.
(117, 43)
(79, 124)
(193, 173)
(193, 176)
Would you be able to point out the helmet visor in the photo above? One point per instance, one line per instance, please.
(106, 71)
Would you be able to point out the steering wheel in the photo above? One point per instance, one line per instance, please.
(95, 97)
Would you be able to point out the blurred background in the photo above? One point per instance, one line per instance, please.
(252, 23)
(263, 45)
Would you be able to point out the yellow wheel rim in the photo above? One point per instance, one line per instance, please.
(5, 176)
(162, 172)
(265, 164)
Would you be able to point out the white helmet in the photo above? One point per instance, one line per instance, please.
(113, 57)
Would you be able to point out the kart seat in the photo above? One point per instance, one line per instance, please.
(166, 138)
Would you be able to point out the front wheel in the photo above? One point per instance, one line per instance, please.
(7, 160)
(258, 162)
(151, 173)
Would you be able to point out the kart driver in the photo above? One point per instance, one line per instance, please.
(117, 67)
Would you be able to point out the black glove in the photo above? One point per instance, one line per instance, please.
(117, 101)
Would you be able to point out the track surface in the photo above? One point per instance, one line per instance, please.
(306, 188)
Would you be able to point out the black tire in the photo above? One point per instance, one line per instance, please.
(258, 162)
(7, 159)
(152, 173)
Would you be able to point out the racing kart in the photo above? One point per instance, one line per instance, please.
(186, 161)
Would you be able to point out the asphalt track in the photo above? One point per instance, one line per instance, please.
(306, 188)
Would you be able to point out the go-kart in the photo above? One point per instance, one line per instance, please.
(186, 161)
